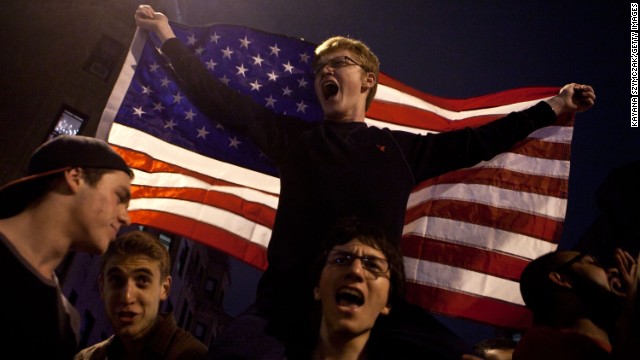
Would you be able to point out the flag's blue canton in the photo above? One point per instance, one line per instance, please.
(274, 70)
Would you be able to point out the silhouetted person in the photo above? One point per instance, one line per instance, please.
(577, 306)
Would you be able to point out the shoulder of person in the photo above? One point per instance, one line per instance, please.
(94, 352)
(186, 346)
(187, 338)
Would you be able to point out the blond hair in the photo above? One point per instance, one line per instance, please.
(368, 60)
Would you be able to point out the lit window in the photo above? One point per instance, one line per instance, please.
(69, 122)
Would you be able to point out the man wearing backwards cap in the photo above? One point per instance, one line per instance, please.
(74, 197)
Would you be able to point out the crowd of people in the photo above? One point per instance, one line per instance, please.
(334, 285)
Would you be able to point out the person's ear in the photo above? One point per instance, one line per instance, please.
(559, 279)
(316, 293)
(166, 286)
(617, 286)
(73, 178)
(386, 309)
(369, 80)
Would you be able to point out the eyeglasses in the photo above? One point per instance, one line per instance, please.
(373, 265)
(576, 259)
(335, 63)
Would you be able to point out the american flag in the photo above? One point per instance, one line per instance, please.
(468, 234)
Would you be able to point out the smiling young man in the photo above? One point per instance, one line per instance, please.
(134, 280)
(339, 167)
(74, 197)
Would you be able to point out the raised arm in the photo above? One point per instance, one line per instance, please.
(269, 131)
(437, 154)
(573, 98)
(148, 19)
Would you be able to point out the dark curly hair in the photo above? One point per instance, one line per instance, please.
(351, 228)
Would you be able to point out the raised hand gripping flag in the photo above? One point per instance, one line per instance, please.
(468, 234)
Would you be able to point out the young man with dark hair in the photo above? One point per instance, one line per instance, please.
(74, 197)
(134, 280)
(359, 278)
(340, 166)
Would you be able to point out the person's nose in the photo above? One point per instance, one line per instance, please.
(357, 270)
(327, 69)
(127, 293)
(123, 216)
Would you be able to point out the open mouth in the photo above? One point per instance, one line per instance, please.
(349, 297)
(126, 315)
(329, 89)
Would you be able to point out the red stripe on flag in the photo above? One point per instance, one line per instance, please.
(207, 234)
(144, 162)
(481, 309)
(517, 222)
(421, 119)
(470, 258)
(473, 103)
(502, 178)
(253, 211)
(543, 149)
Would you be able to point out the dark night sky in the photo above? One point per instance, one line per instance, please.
(467, 48)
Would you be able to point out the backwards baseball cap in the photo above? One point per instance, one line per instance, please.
(55, 156)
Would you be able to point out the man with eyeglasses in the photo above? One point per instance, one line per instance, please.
(359, 279)
(577, 306)
(340, 166)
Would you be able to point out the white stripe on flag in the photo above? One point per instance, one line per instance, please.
(461, 280)
(543, 205)
(528, 165)
(122, 84)
(389, 94)
(478, 236)
(554, 134)
(125, 136)
(176, 180)
(233, 223)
